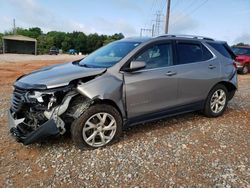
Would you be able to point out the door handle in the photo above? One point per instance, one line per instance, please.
(211, 67)
(170, 73)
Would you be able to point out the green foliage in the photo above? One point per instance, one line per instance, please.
(34, 32)
(242, 44)
(65, 41)
(1, 44)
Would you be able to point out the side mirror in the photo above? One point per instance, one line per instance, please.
(136, 65)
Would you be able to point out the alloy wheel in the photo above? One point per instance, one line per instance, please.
(99, 129)
(218, 101)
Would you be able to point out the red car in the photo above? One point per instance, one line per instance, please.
(243, 58)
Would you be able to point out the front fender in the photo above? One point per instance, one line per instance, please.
(105, 87)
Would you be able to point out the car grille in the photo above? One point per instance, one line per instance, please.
(17, 99)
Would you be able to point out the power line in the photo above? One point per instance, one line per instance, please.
(191, 12)
(155, 24)
(199, 7)
(150, 12)
(175, 5)
(183, 9)
(163, 6)
(147, 32)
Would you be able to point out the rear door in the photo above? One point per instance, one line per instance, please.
(197, 69)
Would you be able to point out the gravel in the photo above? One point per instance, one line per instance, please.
(185, 151)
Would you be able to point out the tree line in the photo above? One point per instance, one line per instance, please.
(71, 40)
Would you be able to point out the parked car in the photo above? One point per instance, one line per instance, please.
(72, 51)
(125, 83)
(243, 58)
(53, 51)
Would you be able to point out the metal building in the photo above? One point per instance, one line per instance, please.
(19, 44)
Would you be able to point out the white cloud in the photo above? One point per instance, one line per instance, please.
(181, 23)
(30, 13)
(106, 26)
(129, 5)
(6, 23)
(245, 38)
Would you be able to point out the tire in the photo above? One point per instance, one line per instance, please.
(91, 125)
(212, 101)
(245, 69)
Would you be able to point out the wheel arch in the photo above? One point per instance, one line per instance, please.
(231, 88)
(108, 102)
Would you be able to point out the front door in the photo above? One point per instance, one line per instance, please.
(154, 88)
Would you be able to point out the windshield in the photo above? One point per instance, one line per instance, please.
(108, 55)
(241, 51)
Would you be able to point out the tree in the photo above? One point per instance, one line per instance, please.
(241, 44)
(42, 46)
(56, 38)
(35, 32)
(93, 43)
(1, 40)
(65, 41)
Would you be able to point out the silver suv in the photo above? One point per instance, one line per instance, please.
(127, 82)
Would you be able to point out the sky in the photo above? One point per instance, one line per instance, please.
(227, 20)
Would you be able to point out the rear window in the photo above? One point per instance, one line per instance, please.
(221, 49)
(189, 53)
(192, 52)
(206, 54)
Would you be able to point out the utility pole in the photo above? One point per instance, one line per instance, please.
(153, 30)
(14, 26)
(157, 27)
(145, 32)
(157, 23)
(167, 16)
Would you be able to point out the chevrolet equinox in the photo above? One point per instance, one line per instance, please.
(127, 82)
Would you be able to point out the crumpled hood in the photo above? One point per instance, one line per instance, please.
(57, 75)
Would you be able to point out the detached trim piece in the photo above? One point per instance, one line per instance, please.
(49, 128)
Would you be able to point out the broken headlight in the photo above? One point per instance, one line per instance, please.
(45, 100)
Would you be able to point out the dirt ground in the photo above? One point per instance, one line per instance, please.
(185, 151)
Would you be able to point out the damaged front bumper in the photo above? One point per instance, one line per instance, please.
(47, 129)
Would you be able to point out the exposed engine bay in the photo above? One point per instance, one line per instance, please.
(36, 111)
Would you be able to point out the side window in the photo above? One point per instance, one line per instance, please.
(189, 52)
(206, 54)
(221, 49)
(159, 55)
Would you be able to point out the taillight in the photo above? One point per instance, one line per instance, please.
(235, 65)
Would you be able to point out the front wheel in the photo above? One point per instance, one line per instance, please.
(98, 126)
(216, 101)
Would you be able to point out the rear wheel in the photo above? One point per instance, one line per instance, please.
(216, 102)
(99, 126)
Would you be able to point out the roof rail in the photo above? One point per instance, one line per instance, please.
(187, 36)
